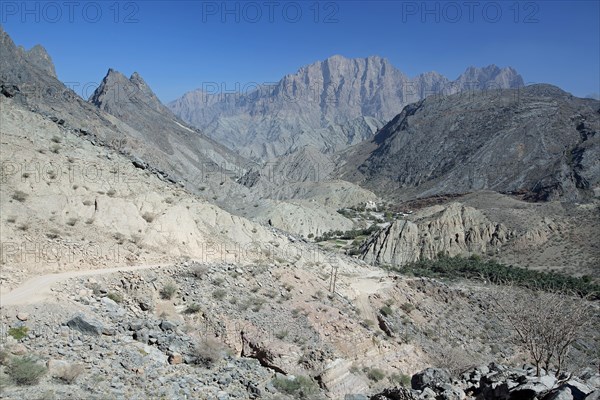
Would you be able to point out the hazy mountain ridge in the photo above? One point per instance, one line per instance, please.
(303, 108)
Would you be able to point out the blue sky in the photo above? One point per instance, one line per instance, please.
(178, 46)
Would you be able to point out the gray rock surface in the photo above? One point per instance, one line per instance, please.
(496, 382)
(430, 377)
(329, 104)
(86, 325)
(454, 229)
(537, 140)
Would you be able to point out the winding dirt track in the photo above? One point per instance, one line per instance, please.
(37, 289)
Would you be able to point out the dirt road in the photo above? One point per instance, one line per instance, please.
(37, 289)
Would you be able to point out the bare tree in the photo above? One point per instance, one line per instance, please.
(545, 324)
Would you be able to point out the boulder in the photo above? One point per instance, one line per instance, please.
(175, 359)
(86, 325)
(18, 349)
(562, 393)
(168, 325)
(449, 392)
(275, 354)
(430, 377)
(595, 395)
(22, 316)
(397, 393)
(578, 389)
(64, 369)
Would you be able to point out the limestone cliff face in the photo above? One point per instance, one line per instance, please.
(330, 104)
(454, 230)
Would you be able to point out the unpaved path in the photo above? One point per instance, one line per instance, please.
(362, 288)
(37, 289)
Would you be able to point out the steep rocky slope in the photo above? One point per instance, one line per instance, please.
(167, 139)
(539, 140)
(141, 127)
(330, 104)
(68, 203)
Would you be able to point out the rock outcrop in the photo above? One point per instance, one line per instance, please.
(493, 382)
(453, 230)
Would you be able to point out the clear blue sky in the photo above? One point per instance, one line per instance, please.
(178, 46)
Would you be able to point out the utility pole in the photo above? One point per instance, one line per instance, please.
(333, 278)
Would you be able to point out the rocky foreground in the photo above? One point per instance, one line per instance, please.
(221, 331)
(494, 382)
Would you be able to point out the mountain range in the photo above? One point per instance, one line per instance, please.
(330, 104)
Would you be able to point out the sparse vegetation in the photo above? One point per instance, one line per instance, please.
(4, 357)
(545, 325)
(256, 303)
(301, 387)
(25, 370)
(193, 308)
(375, 374)
(53, 234)
(207, 352)
(148, 217)
(18, 332)
(199, 270)
(400, 379)
(347, 235)
(219, 294)
(20, 196)
(407, 307)
(218, 281)
(168, 291)
(119, 237)
(494, 272)
(116, 297)
(72, 221)
(23, 227)
(281, 335)
(386, 311)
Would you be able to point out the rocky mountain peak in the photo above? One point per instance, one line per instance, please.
(12, 55)
(491, 77)
(139, 82)
(116, 90)
(39, 57)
